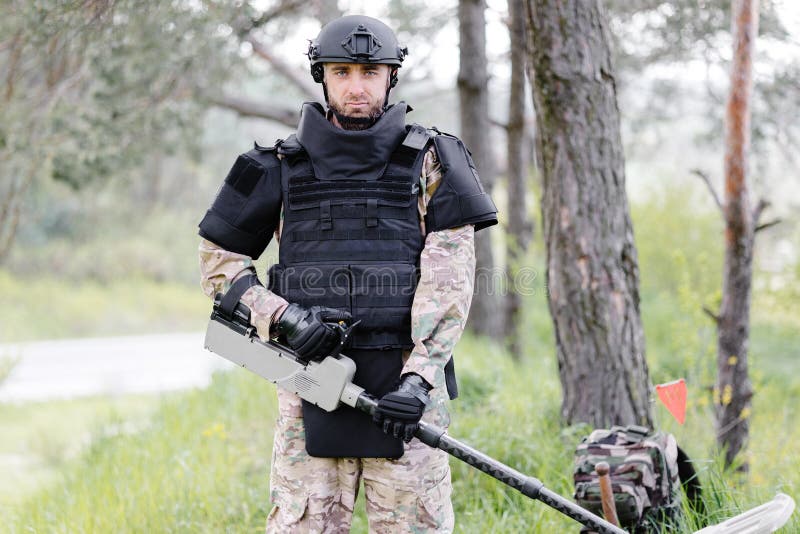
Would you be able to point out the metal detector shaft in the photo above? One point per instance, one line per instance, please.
(328, 384)
(532, 487)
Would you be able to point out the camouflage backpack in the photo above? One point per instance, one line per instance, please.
(644, 476)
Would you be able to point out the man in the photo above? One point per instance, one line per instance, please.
(375, 221)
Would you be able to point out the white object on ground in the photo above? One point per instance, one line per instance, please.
(768, 517)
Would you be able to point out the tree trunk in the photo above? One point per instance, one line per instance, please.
(519, 226)
(733, 390)
(12, 197)
(592, 268)
(473, 92)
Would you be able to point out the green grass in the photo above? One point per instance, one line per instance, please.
(40, 438)
(201, 463)
(198, 465)
(50, 308)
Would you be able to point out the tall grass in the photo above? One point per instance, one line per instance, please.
(201, 464)
(39, 439)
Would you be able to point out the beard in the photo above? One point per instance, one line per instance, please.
(361, 122)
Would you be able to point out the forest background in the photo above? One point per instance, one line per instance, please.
(117, 133)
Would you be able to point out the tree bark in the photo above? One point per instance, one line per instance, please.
(733, 390)
(13, 195)
(592, 267)
(473, 92)
(519, 225)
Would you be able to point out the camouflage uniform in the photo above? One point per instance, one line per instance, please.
(411, 493)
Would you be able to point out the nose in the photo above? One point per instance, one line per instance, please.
(356, 86)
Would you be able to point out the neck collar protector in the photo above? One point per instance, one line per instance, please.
(339, 154)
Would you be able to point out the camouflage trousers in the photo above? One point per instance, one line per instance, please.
(410, 494)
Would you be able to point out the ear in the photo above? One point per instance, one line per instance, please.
(392, 77)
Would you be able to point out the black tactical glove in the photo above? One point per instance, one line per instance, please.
(399, 411)
(306, 331)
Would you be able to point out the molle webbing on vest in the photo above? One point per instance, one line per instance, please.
(355, 244)
(392, 190)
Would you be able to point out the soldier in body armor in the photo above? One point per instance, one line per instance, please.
(375, 220)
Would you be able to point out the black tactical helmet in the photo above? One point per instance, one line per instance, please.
(355, 39)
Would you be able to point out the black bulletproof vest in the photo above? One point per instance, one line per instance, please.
(351, 235)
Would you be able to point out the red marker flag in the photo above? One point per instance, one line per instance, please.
(673, 395)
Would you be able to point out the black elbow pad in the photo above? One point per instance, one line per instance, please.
(460, 198)
(246, 211)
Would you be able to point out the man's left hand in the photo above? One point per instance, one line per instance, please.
(399, 411)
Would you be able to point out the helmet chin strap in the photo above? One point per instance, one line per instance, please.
(386, 98)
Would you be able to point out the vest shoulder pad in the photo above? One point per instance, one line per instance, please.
(460, 199)
(246, 210)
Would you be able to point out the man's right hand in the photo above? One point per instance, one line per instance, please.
(306, 331)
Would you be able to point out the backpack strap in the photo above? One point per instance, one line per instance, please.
(636, 432)
(691, 482)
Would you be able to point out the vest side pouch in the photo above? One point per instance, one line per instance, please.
(381, 297)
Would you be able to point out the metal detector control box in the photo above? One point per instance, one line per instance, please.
(325, 383)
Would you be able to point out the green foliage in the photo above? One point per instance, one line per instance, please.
(657, 41)
(110, 253)
(39, 439)
(51, 308)
(92, 92)
(114, 80)
(680, 261)
(200, 464)
(125, 229)
(652, 31)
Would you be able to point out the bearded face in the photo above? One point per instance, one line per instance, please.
(356, 93)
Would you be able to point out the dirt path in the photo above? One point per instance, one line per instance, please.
(115, 365)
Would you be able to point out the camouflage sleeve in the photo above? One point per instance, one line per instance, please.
(219, 268)
(441, 301)
(429, 180)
